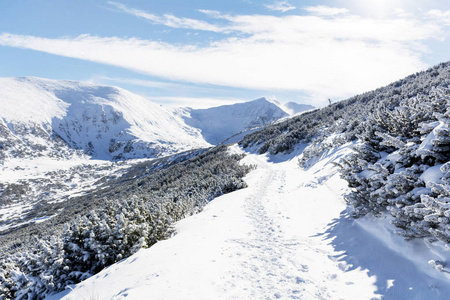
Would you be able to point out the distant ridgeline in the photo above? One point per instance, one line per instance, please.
(400, 164)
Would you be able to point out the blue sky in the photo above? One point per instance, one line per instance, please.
(205, 53)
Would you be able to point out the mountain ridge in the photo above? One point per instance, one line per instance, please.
(235, 118)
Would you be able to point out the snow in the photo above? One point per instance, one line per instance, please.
(12, 212)
(14, 170)
(219, 123)
(92, 116)
(432, 174)
(18, 213)
(58, 179)
(286, 236)
(23, 101)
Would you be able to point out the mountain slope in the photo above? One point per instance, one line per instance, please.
(219, 123)
(57, 118)
(39, 115)
(290, 234)
(344, 116)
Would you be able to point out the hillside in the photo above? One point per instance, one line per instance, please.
(400, 164)
(95, 230)
(345, 116)
(300, 231)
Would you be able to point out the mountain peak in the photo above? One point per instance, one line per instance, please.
(290, 108)
(219, 123)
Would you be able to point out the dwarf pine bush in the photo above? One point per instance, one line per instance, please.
(129, 219)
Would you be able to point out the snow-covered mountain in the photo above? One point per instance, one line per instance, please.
(48, 117)
(219, 123)
(53, 118)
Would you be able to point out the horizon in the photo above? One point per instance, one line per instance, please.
(205, 54)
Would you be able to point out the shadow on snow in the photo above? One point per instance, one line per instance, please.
(396, 277)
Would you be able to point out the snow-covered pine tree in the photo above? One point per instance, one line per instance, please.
(138, 216)
(9, 276)
(36, 273)
(408, 139)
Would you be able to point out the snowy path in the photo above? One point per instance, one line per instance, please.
(282, 256)
(264, 262)
(275, 239)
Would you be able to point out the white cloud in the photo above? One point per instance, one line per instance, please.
(439, 15)
(323, 10)
(180, 88)
(141, 82)
(322, 56)
(168, 19)
(282, 6)
(194, 102)
(213, 13)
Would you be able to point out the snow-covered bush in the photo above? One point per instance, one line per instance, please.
(400, 163)
(348, 116)
(104, 237)
(407, 173)
(134, 215)
(33, 273)
(8, 278)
